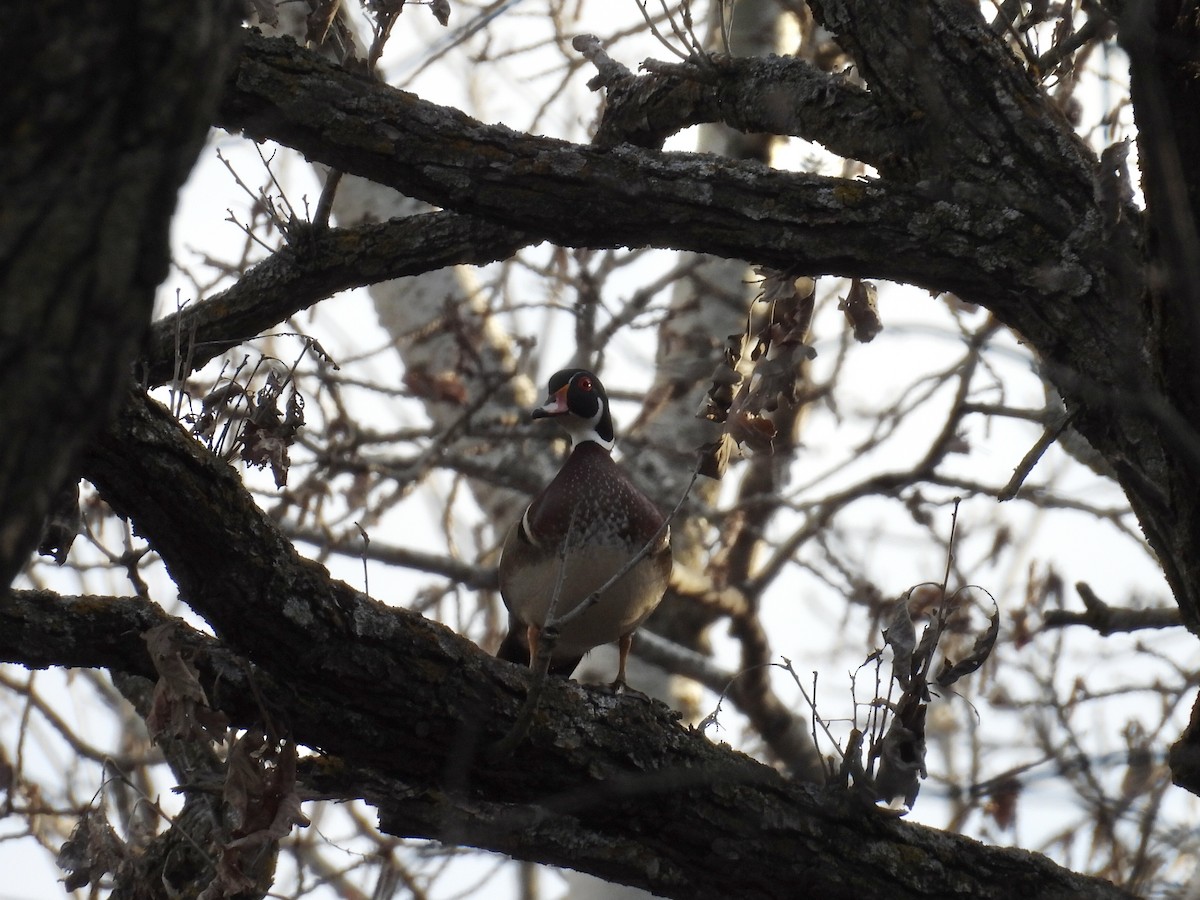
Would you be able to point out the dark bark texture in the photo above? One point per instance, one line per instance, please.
(315, 265)
(608, 783)
(984, 190)
(1012, 212)
(104, 109)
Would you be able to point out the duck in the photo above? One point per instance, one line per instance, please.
(585, 526)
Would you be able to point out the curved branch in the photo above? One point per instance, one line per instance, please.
(314, 266)
(773, 95)
(932, 236)
(461, 572)
(608, 784)
(1111, 619)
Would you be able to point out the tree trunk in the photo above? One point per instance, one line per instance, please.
(104, 110)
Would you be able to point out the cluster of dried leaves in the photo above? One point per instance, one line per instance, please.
(179, 707)
(261, 433)
(259, 802)
(747, 387)
(895, 744)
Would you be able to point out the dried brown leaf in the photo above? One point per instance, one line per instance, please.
(315, 346)
(230, 880)
(725, 377)
(1143, 772)
(179, 706)
(980, 651)
(902, 757)
(862, 310)
(180, 676)
(714, 457)
(753, 431)
(923, 655)
(268, 435)
(442, 387)
(901, 636)
(260, 789)
(260, 793)
(1002, 802)
(63, 524)
(902, 766)
(213, 404)
(780, 350)
(92, 851)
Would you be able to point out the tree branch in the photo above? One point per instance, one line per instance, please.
(1030, 239)
(606, 783)
(773, 95)
(585, 196)
(1110, 619)
(315, 265)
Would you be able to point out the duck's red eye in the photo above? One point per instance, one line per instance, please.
(584, 383)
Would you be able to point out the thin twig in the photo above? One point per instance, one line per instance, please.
(365, 547)
(658, 34)
(786, 665)
(1030, 459)
(320, 217)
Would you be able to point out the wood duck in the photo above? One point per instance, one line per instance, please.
(587, 524)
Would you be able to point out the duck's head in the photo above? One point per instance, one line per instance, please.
(578, 400)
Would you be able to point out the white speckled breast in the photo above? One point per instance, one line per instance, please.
(587, 524)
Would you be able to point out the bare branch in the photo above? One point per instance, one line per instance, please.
(1111, 619)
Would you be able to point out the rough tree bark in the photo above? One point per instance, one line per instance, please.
(104, 109)
(609, 784)
(1013, 213)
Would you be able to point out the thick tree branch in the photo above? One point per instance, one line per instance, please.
(1110, 619)
(584, 196)
(983, 118)
(40, 629)
(316, 264)
(609, 784)
(1043, 254)
(604, 783)
(1013, 213)
(925, 59)
(1162, 38)
(774, 95)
